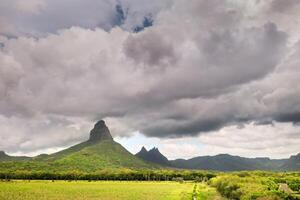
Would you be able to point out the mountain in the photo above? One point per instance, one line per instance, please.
(222, 162)
(100, 132)
(226, 162)
(153, 156)
(292, 164)
(100, 151)
(5, 157)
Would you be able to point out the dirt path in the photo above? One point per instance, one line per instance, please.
(285, 188)
(195, 192)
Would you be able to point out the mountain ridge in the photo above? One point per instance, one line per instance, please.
(227, 162)
(100, 151)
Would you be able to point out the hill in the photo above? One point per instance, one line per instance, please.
(226, 162)
(153, 156)
(5, 157)
(292, 164)
(99, 152)
(222, 162)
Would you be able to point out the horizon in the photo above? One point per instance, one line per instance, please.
(198, 78)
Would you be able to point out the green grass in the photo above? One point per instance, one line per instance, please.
(100, 190)
(205, 192)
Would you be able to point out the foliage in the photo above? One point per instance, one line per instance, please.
(110, 174)
(84, 157)
(204, 192)
(255, 185)
(102, 190)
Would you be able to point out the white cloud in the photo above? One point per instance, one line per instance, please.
(279, 140)
(191, 73)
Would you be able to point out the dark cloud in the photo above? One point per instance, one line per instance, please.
(120, 15)
(182, 129)
(288, 117)
(39, 17)
(199, 68)
(148, 21)
(282, 6)
(150, 49)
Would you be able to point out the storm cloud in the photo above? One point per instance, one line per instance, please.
(200, 67)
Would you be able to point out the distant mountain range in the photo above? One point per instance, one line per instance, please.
(222, 162)
(225, 162)
(102, 152)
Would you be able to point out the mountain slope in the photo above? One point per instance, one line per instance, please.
(99, 152)
(222, 162)
(225, 162)
(101, 155)
(292, 164)
(5, 157)
(153, 156)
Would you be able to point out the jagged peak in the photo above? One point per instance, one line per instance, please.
(154, 149)
(100, 132)
(143, 149)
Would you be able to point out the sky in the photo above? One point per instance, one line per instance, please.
(197, 77)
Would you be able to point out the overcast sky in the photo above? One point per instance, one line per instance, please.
(197, 77)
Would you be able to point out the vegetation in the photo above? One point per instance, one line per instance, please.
(203, 185)
(256, 185)
(84, 157)
(100, 190)
(204, 192)
(100, 158)
(111, 174)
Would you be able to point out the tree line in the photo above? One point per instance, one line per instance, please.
(123, 174)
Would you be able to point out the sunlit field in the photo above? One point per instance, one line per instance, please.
(236, 185)
(100, 190)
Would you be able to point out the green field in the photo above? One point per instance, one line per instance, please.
(255, 185)
(100, 190)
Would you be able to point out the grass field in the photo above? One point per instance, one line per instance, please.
(255, 185)
(100, 190)
(204, 192)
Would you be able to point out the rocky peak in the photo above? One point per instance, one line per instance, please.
(154, 150)
(143, 149)
(153, 155)
(100, 132)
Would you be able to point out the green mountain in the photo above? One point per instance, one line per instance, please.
(99, 152)
(226, 162)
